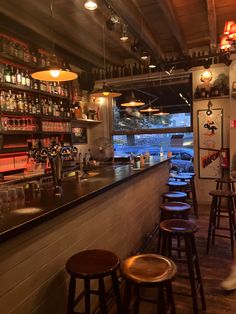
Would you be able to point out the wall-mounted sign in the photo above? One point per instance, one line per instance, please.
(210, 143)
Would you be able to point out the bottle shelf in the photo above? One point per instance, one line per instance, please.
(13, 150)
(16, 60)
(85, 121)
(20, 114)
(11, 86)
(214, 97)
(53, 118)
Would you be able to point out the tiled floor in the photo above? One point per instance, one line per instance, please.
(214, 268)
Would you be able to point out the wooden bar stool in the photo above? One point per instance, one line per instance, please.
(174, 196)
(182, 231)
(88, 265)
(149, 270)
(189, 178)
(217, 212)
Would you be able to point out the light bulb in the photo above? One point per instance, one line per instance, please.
(105, 93)
(90, 5)
(54, 73)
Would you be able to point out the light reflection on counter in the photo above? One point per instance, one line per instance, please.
(27, 210)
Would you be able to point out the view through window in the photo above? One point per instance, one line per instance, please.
(137, 133)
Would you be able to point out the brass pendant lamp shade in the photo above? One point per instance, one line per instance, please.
(55, 72)
(133, 102)
(106, 91)
(149, 109)
(161, 113)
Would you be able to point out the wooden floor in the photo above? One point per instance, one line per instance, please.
(215, 267)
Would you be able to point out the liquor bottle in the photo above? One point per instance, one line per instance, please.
(34, 58)
(23, 80)
(126, 73)
(7, 74)
(18, 77)
(140, 70)
(37, 105)
(20, 52)
(27, 79)
(13, 75)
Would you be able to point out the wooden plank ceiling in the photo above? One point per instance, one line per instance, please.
(169, 29)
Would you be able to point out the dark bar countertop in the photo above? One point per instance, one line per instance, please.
(44, 204)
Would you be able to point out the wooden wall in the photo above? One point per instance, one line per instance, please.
(32, 266)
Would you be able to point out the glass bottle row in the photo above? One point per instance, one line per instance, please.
(21, 77)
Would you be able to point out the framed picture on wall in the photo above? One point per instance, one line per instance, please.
(79, 135)
(234, 87)
(210, 142)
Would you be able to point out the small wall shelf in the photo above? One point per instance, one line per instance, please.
(210, 98)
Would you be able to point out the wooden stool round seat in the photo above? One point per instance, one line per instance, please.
(177, 185)
(174, 210)
(191, 174)
(172, 233)
(92, 264)
(183, 177)
(174, 196)
(220, 212)
(149, 270)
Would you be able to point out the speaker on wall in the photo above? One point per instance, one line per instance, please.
(86, 81)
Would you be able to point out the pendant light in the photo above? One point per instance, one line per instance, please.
(90, 5)
(161, 112)
(55, 72)
(105, 91)
(150, 108)
(133, 102)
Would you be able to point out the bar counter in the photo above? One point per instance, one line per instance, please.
(114, 210)
(45, 204)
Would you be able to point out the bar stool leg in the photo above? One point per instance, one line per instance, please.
(194, 197)
(127, 296)
(137, 299)
(102, 296)
(170, 298)
(71, 295)
(87, 295)
(190, 257)
(211, 222)
(115, 284)
(198, 272)
(231, 225)
(161, 307)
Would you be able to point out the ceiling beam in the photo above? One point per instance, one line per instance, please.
(211, 13)
(45, 31)
(128, 11)
(168, 11)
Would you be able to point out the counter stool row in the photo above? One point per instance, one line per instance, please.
(149, 270)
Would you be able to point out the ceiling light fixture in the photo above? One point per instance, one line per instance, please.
(161, 112)
(105, 91)
(124, 34)
(149, 109)
(91, 5)
(55, 72)
(209, 111)
(170, 70)
(133, 102)
(144, 56)
(152, 63)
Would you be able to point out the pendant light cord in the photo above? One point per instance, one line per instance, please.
(52, 26)
(104, 51)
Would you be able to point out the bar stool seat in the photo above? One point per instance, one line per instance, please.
(177, 185)
(149, 270)
(174, 196)
(176, 231)
(191, 174)
(92, 264)
(183, 177)
(175, 210)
